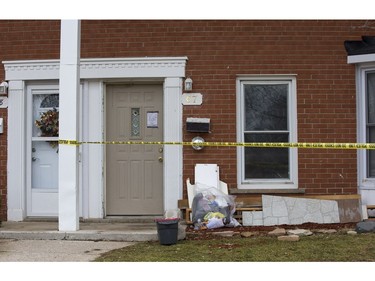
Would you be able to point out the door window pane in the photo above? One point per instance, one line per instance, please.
(135, 122)
(44, 144)
(45, 115)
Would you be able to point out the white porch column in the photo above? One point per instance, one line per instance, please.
(16, 151)
(68, 125)
(173, 132)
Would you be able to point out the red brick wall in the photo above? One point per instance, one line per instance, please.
(217, 52)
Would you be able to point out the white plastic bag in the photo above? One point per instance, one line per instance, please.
(215, 223)
(210, 199)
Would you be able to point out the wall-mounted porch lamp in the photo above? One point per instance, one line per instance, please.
(3, 88)
(188, 84)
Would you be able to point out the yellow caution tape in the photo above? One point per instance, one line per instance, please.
(233, 144)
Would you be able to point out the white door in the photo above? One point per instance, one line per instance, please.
(42, 151)
(134, 173)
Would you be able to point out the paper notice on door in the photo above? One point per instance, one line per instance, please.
(152, 119)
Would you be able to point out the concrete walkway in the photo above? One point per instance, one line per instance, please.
(40, 241)
(13, 250)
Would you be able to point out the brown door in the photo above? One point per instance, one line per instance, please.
(134, 173)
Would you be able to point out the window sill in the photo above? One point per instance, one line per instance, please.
(267, 191)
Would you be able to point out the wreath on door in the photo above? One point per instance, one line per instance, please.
(49, 125)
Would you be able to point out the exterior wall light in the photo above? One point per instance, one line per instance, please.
(188, 84)
(3, 88)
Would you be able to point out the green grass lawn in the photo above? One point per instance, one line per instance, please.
(316, 248)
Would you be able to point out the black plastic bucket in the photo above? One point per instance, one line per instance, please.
(167, 231)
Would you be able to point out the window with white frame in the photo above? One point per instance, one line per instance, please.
(365, 83)
(267, 113)
(366, 123)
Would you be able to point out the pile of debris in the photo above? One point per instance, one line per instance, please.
(212, 208)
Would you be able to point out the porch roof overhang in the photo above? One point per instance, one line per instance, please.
(361, 51)
(105, 68)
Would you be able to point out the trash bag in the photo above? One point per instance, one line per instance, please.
(210, 203)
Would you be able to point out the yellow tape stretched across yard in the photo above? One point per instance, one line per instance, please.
(232, 144)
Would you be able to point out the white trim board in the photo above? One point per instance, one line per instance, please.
(361, 58)
(99, 68)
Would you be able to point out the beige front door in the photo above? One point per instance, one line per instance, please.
(134, 173)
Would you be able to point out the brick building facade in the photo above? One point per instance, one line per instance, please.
(222, 56)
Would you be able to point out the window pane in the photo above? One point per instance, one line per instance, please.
(266, 163)
(371, 97)
(266, 107)
(135, 122)
(370, 91)
(371, 153)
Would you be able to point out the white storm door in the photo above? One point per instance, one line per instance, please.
(42, 151)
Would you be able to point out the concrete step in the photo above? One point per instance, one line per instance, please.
(90, 231)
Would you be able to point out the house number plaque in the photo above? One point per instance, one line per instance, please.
(192, 99)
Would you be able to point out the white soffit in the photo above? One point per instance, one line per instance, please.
(361, 58)
(99, 68)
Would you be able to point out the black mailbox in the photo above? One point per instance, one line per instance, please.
(198, 125)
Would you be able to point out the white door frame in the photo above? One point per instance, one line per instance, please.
(366, 186)
(93, 73)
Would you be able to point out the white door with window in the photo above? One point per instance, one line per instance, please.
(42, 150)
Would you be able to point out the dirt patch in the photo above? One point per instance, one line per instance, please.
(192, 234)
